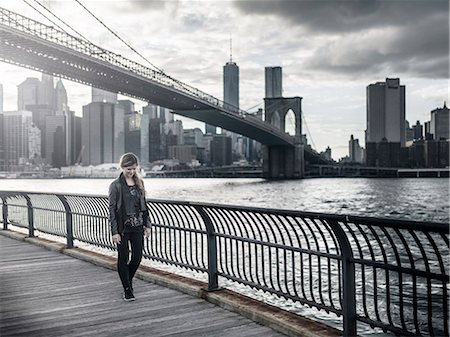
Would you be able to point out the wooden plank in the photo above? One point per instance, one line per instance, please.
(44, 293)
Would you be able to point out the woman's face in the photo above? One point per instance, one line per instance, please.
(129, 171)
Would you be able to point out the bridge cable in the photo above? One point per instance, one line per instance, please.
(131, 47)
(67, 25)
(116, 35)
(309, 133)
(37, 10)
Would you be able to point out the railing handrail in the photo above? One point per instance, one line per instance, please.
(441, 227)
(308, 257)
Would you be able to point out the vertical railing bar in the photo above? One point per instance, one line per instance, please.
(348, 272)
(5, 212)
(213, 276)
(386, 273)
(69, 228)
(30, 215)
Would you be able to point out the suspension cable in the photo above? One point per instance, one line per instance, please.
(37, 10)
(117, 36)
(62, 21)
(309, 133)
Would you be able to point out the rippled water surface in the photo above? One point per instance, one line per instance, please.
(415, 199)
(407, 198)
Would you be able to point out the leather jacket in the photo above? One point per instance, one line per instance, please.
(121, 203)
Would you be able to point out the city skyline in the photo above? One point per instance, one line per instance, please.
(326, 62)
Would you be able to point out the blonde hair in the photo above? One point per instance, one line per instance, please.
(130, 159)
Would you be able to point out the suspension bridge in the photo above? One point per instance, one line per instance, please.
(31, 44)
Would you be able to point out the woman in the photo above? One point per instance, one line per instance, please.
(128, 215)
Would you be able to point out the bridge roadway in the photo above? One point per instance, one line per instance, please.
(44, 293)
(31, 44)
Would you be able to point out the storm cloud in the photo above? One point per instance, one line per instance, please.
(361, 37)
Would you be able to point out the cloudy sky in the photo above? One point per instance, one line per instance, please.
(329, 50)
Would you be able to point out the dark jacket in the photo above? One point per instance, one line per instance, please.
(121, 203)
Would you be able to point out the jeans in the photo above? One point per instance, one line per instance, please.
(126, 268)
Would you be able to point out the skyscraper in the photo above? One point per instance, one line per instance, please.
(28, 93)
(231, 83)
(46, 92)
(103, 96)
(231, 96)
(60, 105)
(16, 131)
(386, 112)
(103, 139)
(274, 84)
(386, 125)
(439, 124)
(355, 151)
(1, 97)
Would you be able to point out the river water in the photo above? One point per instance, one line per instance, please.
(424, 199)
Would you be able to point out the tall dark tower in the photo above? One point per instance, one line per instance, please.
(231, 82)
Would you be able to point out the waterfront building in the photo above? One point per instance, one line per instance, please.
(73, 138)
(273, 82)
(133, 133)
(1, 97)
(193, 137)
(16, 131)
(386, 112)
(103, 139)
(149, 112)
(231, 97)
(205, 154)
(427, 131)
(417, 130)
(27, 93)
(409, 133)
(174, 132)
(103, 96)
(386, 124)
(60, 105)
(439, 123)
(55, 140)
(156, 140)
(355, 151)
(165, 114)
(211, 129)
(428, 154)
(221, 150)
(34, 144)
(46, 91)
(185, 154)
(2, 144)
(327, 153)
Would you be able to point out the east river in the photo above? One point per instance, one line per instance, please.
(424, 199)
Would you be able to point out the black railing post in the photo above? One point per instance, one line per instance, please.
(213, 279)
(348, 280)
(30, 216)
(5, 213)
(69, 225)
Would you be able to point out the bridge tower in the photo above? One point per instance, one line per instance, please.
(284, 162)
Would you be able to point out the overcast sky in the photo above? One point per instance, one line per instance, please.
(329, 50)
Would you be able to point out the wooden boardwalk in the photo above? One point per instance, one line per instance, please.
(44, 293)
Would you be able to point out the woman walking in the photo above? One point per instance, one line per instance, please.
(128, 215)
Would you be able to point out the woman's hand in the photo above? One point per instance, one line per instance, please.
(147, 232)
(116, 238)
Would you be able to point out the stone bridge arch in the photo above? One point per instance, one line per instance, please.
(283, 162)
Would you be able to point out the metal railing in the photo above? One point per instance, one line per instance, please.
(390, 274)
